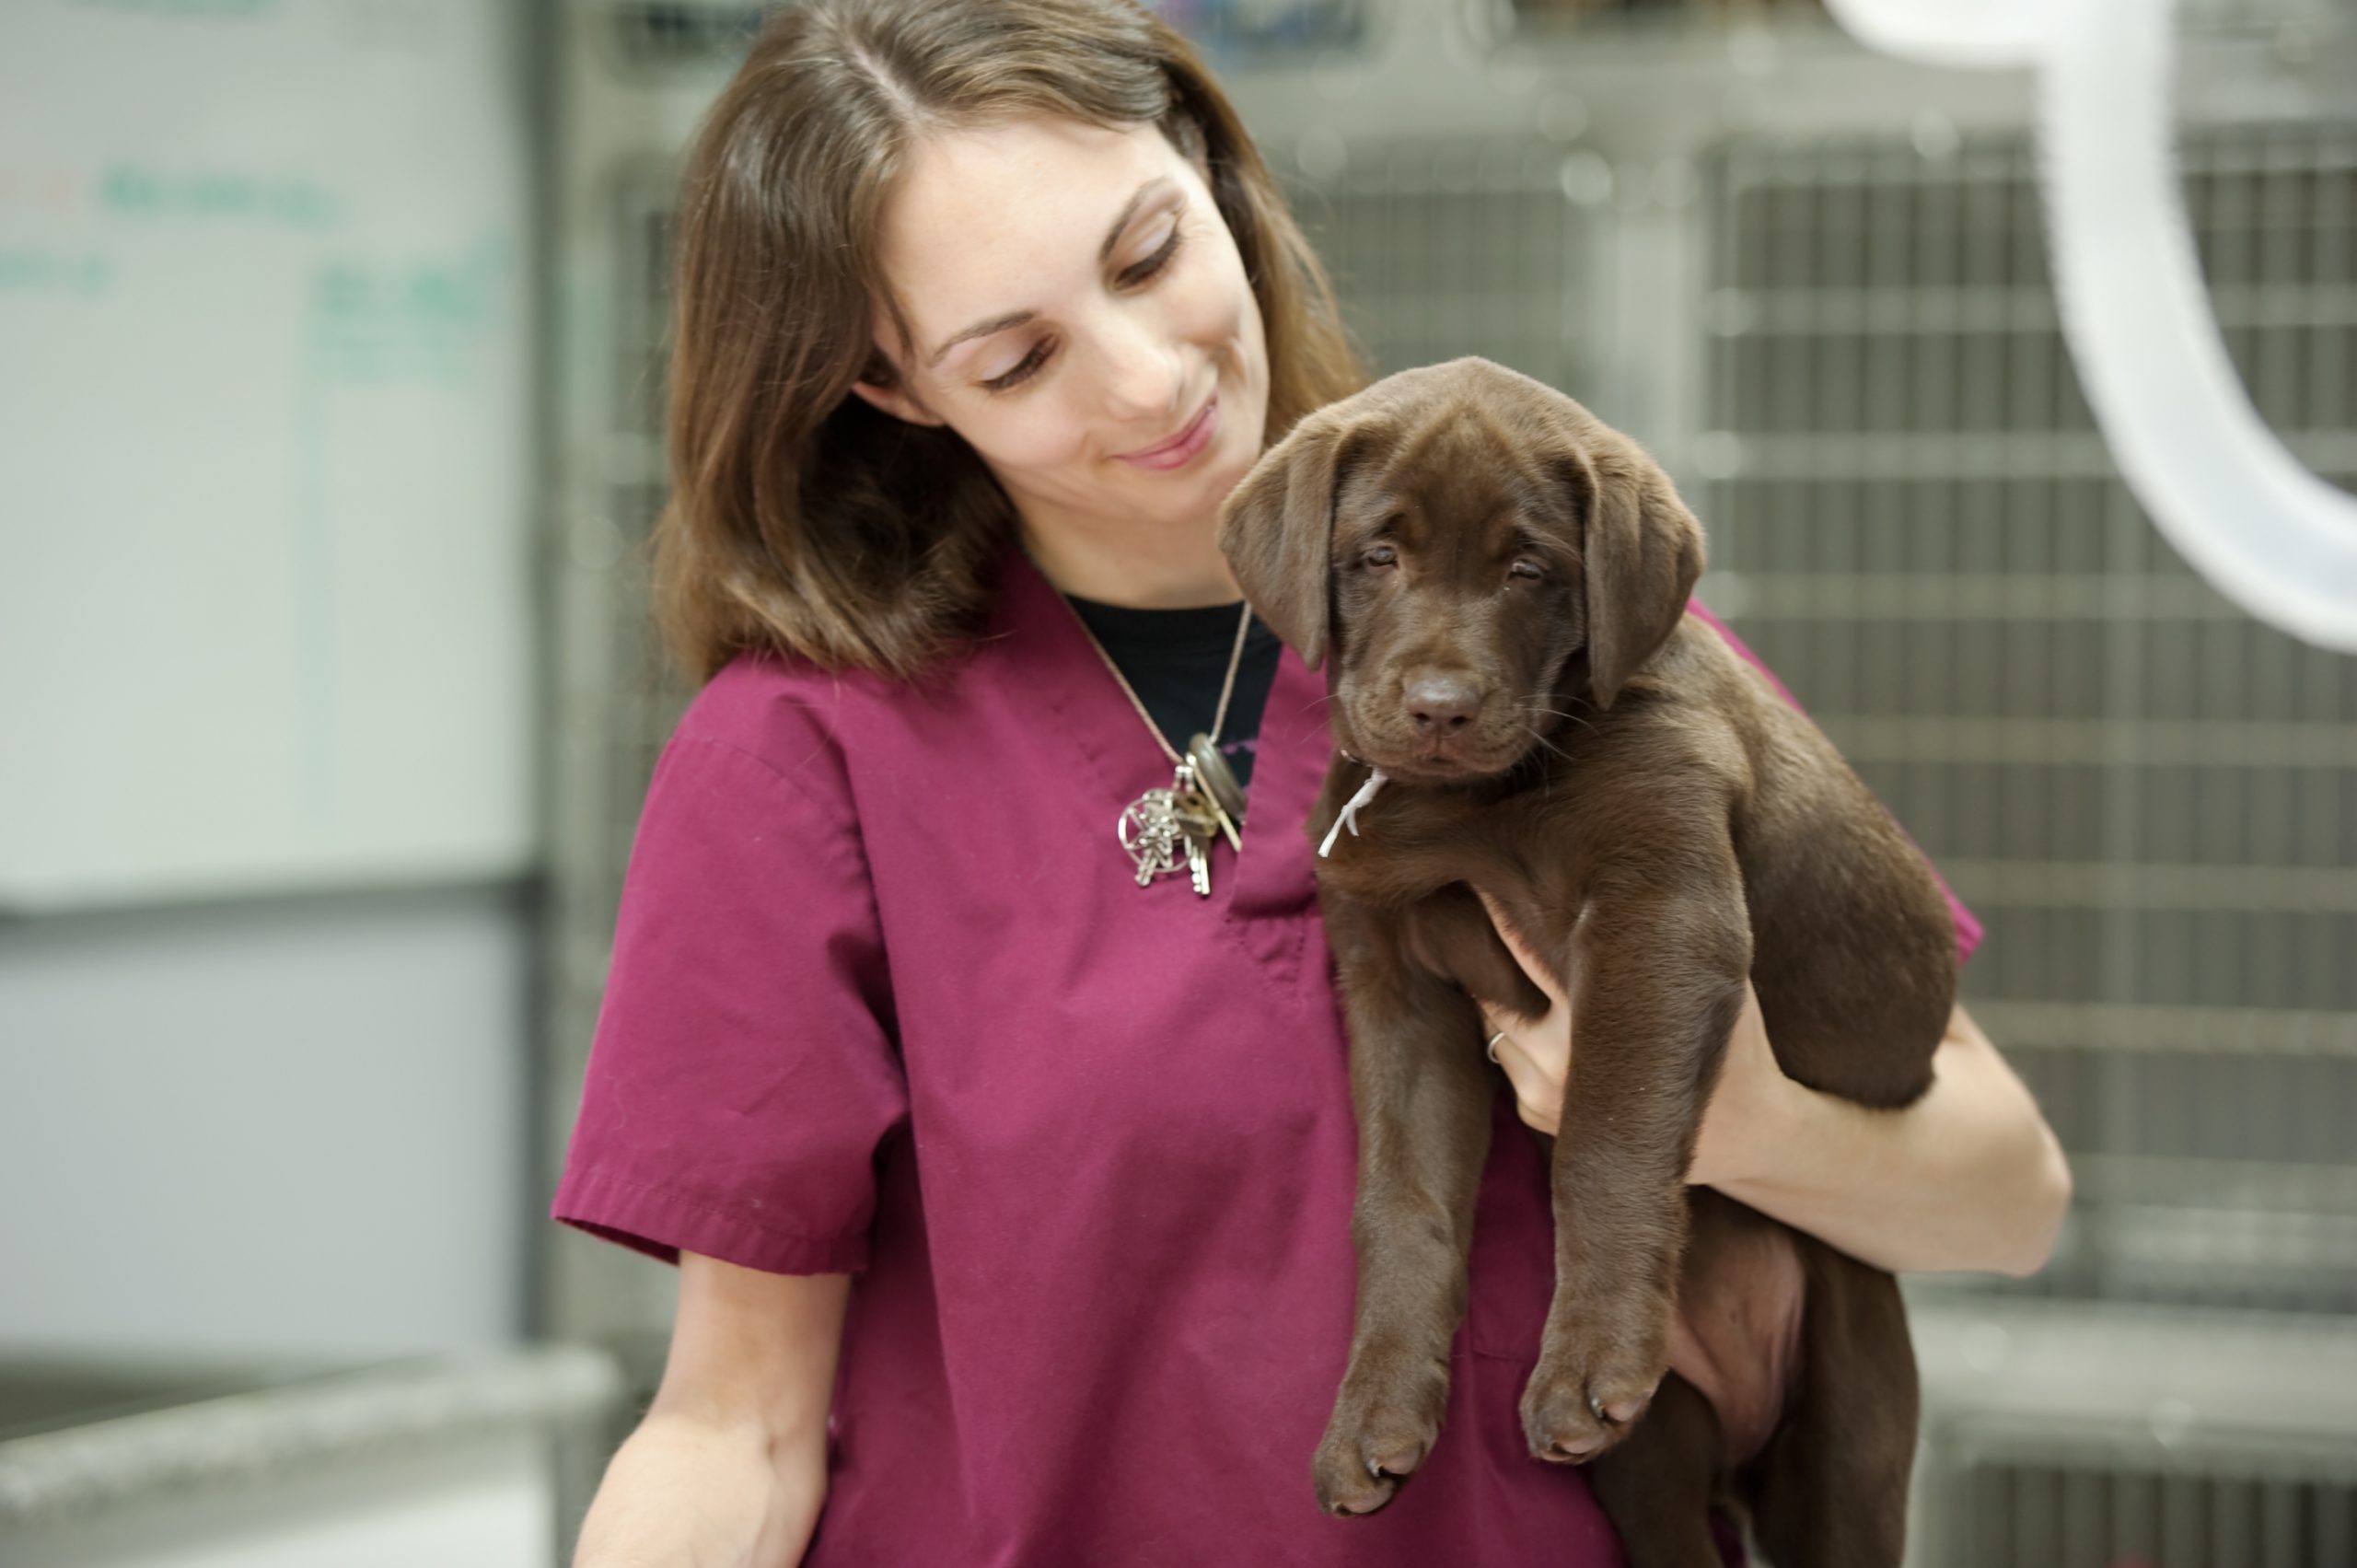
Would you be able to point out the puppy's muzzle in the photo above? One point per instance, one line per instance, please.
(1441, 707)
(1448, 721)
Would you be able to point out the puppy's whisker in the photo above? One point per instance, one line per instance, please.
(1533, 733)
(1536, 707)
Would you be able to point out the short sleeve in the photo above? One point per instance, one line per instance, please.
(742, 1076)
(1968, 927)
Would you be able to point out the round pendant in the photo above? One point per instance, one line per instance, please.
(1217, 779)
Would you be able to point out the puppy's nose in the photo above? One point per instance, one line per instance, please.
(1442, 704)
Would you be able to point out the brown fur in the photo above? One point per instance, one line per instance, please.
(1659, 824)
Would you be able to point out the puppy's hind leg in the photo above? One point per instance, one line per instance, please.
(1655, 1485)
(1829, 1490)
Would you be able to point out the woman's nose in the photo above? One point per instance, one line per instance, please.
(1141, 368)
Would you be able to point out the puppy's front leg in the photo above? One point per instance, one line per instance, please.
(1422, 1104)
(1657, 975)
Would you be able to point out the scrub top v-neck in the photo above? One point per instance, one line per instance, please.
(885, 999)
(1177, 661)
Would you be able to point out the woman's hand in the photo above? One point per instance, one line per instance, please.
(1537, 1056)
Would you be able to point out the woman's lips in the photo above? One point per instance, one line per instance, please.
(1176, 451)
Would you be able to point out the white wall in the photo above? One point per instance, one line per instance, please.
(266, 351)
(291, 1120)
(291, 1128)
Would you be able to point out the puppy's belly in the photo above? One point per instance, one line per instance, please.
(1737, 1337)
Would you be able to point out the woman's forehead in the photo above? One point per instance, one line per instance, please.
(990, 219)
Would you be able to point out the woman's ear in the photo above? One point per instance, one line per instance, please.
(897, 403)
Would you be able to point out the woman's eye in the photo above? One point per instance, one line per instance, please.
(1524, 569)
(1024, 369)
(1381, 555)
(1030, 363)
(1156, 262)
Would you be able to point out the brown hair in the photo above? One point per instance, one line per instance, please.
(802, 519)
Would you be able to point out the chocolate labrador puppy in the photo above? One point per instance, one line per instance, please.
(1497, 584)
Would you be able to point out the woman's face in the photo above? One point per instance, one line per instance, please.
(1078, 303)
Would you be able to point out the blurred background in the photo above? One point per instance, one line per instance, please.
(331, 386)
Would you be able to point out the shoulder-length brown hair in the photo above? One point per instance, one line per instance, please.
(801, 518)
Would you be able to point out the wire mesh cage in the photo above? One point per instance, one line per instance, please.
(1441, 249)
(2151, 798)
(2055, 1516)
(2117, 1435)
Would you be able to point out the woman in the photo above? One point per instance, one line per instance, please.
(983, 308)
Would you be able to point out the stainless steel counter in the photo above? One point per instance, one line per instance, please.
(110, 1462)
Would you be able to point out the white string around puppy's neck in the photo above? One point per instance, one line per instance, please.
(1348, 816)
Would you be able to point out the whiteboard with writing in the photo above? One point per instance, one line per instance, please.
(265, 586)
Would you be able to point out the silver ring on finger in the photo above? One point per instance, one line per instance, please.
(1491, 1050)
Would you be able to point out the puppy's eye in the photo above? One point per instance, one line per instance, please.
(1381, 555)
(1524, 569)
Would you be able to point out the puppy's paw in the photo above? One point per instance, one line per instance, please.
(1589, 1388)
(1384, 1424)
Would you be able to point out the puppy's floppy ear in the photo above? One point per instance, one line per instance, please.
(1277, 527)
(1644, 551)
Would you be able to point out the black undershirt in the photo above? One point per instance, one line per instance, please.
(1177, 659)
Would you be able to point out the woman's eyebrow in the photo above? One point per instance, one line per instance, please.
(1138, 198)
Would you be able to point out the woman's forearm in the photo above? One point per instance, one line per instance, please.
(686, 1493)
(1968, 1177)
(728, 1470)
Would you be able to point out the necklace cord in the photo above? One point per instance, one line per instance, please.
(1227, 687)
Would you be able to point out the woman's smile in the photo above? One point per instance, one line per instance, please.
(1181, 449)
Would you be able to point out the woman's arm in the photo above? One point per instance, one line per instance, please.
(1968, 1177)
(728, 1470)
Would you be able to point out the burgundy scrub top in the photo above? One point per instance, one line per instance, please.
(887, 999)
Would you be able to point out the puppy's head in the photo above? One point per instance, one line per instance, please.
(1470, 548)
